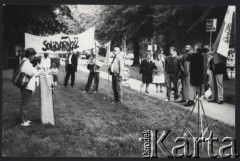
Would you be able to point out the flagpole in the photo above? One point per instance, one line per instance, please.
(210, 42)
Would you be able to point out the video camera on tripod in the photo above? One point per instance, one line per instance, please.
(198, 77)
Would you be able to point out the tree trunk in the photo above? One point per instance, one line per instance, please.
(136, 52)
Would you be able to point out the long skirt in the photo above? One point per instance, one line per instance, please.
(189, 91)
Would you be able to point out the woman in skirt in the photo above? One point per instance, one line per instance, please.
(158, 73)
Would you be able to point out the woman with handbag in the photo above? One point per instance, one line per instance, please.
(27, 91)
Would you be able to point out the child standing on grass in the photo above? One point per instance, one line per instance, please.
(54, 72)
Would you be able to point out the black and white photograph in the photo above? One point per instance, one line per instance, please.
(108, 80)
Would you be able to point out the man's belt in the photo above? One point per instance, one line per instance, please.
(115, 74)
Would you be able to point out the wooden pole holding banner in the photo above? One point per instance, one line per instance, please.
(47, 114)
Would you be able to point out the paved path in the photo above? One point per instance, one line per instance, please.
(224, 113)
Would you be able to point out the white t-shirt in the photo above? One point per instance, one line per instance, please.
(29, 70)
(45, 63)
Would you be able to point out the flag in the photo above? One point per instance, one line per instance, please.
(221, 45)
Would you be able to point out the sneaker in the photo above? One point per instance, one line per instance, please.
(146, 91)
(84, 91)
(220, 102)
(139, 91)
(167, 100)
(161, 91)
(25, 124)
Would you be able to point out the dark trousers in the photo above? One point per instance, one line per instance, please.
(117, 88)
(91, 76)
(70, 71)
(172, 78)
(26, 98)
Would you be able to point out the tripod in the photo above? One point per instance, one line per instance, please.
(199, 105)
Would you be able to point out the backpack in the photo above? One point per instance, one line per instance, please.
(20, 79)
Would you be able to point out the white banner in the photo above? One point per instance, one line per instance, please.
(223, 46)
(61, 43)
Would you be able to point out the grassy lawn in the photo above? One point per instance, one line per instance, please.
(87, 125)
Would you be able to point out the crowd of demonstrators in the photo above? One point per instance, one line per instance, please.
(94, 68)
(166, 70)
(177, 67)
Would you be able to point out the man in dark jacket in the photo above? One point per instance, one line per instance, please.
(172, 69)
(71, 68)
(217, 80)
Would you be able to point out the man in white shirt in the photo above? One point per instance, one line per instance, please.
(116, 70)
(45, 62)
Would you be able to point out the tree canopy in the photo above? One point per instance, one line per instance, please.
(177, 25)
(34, 19)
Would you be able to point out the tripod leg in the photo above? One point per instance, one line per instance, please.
(188, 119)
(198, 118)
(204, 113)
(177, 121)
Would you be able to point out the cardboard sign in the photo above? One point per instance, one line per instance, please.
(211, 25)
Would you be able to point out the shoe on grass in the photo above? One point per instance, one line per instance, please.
(167, 100)
(25, 124)
(28, 121)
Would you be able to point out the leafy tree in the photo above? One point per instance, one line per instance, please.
(183, 25)
(130, 22)
(33, 19)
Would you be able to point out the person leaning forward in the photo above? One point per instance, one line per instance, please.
(116, 70)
